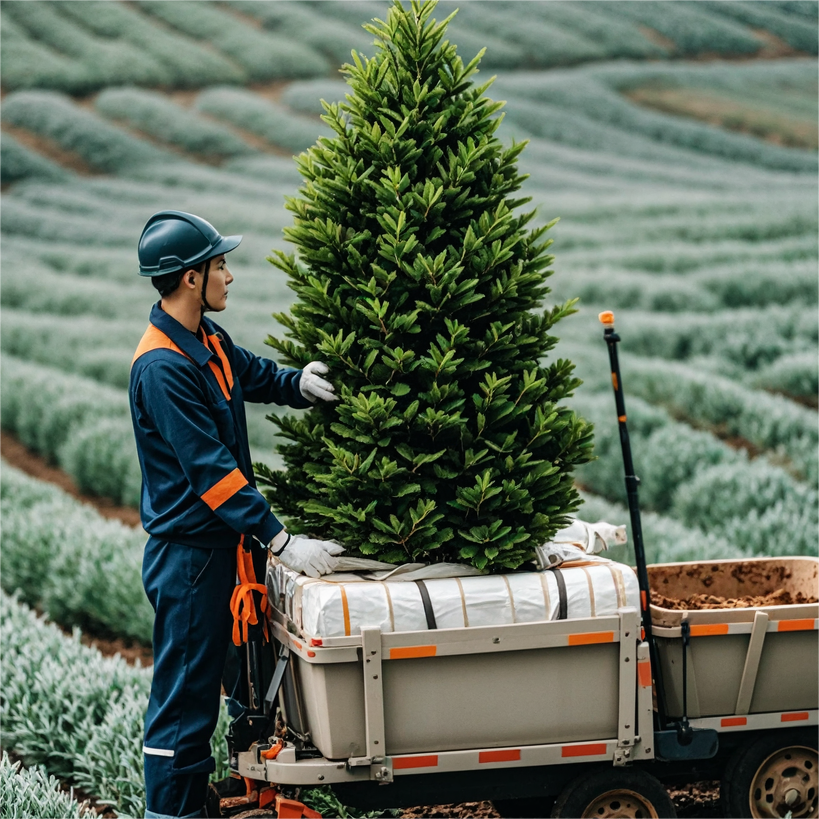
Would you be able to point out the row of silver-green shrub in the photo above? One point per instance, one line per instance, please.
(699, 480)
(66, 559)
(76, 713)
(33, 792)
(77, 423)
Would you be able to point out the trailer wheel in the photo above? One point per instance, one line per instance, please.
(526, 808)
(611, 793)
(772, 777)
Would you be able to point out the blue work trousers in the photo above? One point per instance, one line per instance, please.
(190, 591)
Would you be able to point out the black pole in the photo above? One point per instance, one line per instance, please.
(632, 483)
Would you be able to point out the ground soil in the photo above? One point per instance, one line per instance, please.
(696, 800)
(128, 650)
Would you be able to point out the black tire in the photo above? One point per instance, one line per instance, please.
(528, 808)
(614, 792)
(762, 777)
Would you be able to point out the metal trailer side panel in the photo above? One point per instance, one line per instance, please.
(449, 703)
(758, 659)
(788, 676)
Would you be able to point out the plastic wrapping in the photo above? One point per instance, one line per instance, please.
(339, 605)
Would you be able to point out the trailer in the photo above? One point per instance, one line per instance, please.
(568, 716)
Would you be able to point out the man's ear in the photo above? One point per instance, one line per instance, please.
(190, 273)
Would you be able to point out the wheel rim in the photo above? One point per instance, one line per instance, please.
(620, 803)
(786, 781)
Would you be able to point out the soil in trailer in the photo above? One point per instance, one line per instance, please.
(733, 584)
(780, 597)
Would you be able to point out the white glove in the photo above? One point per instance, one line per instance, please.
(306, 555)
(313, 386)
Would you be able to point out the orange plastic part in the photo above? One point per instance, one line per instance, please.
(606, 317)
(272, 752)
(291, 809)
(267, 797)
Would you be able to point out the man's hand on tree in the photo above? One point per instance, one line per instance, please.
(313, 387)
(305, 555)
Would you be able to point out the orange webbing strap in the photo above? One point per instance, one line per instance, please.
(219, 373)
(242, 606)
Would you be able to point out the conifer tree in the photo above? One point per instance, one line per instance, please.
(420, 285)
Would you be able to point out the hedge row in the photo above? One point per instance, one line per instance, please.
(666, 540)
(67, 560)
(32, 792)
(799, 34)
(185, 62)
(699, 480)
(18, 162)
(598, 110)
(684, 257)
(98, 61)
(691, 29)
(729, 286)
(541, 43)
(262, 55)
(266, 119)
(750, 338)
(618, 38)
(43, 293)
(81, 425)
(103, 146)
(300, 22)
(25, 63)
(769, 422)
(78, 714)
(169, 123)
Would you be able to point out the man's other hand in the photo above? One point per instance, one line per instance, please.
(313, 387)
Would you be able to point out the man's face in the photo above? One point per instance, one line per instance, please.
(219, 278)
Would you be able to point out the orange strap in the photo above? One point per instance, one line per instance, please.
(242, 605)
(220, 373)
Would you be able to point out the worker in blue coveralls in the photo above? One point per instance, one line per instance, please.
(199, 502)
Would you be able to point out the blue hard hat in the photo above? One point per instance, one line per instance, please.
(172, 241)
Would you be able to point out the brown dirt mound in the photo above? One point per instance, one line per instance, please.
(695, 602)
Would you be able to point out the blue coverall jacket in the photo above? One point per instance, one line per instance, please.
(198, 498)
(187, 396)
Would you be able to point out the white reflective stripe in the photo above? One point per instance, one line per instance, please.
(156, 751)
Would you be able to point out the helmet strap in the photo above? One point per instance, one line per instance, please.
(205, 305)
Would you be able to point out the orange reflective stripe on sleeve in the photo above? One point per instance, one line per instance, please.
(225, 489)
(155, 339)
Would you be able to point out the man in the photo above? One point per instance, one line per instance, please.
(199, 504)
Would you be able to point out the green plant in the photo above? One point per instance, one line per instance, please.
(32, 792)
(421, 286)
(78, 714)
(58, 554)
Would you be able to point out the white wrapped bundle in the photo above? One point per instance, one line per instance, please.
(339, 605)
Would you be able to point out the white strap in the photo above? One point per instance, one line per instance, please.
(156, 751)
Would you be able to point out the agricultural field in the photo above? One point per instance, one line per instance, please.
(677, 146)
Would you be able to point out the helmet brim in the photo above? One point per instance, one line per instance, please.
(226, 244)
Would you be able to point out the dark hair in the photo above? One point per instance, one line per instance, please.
(169, 282)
